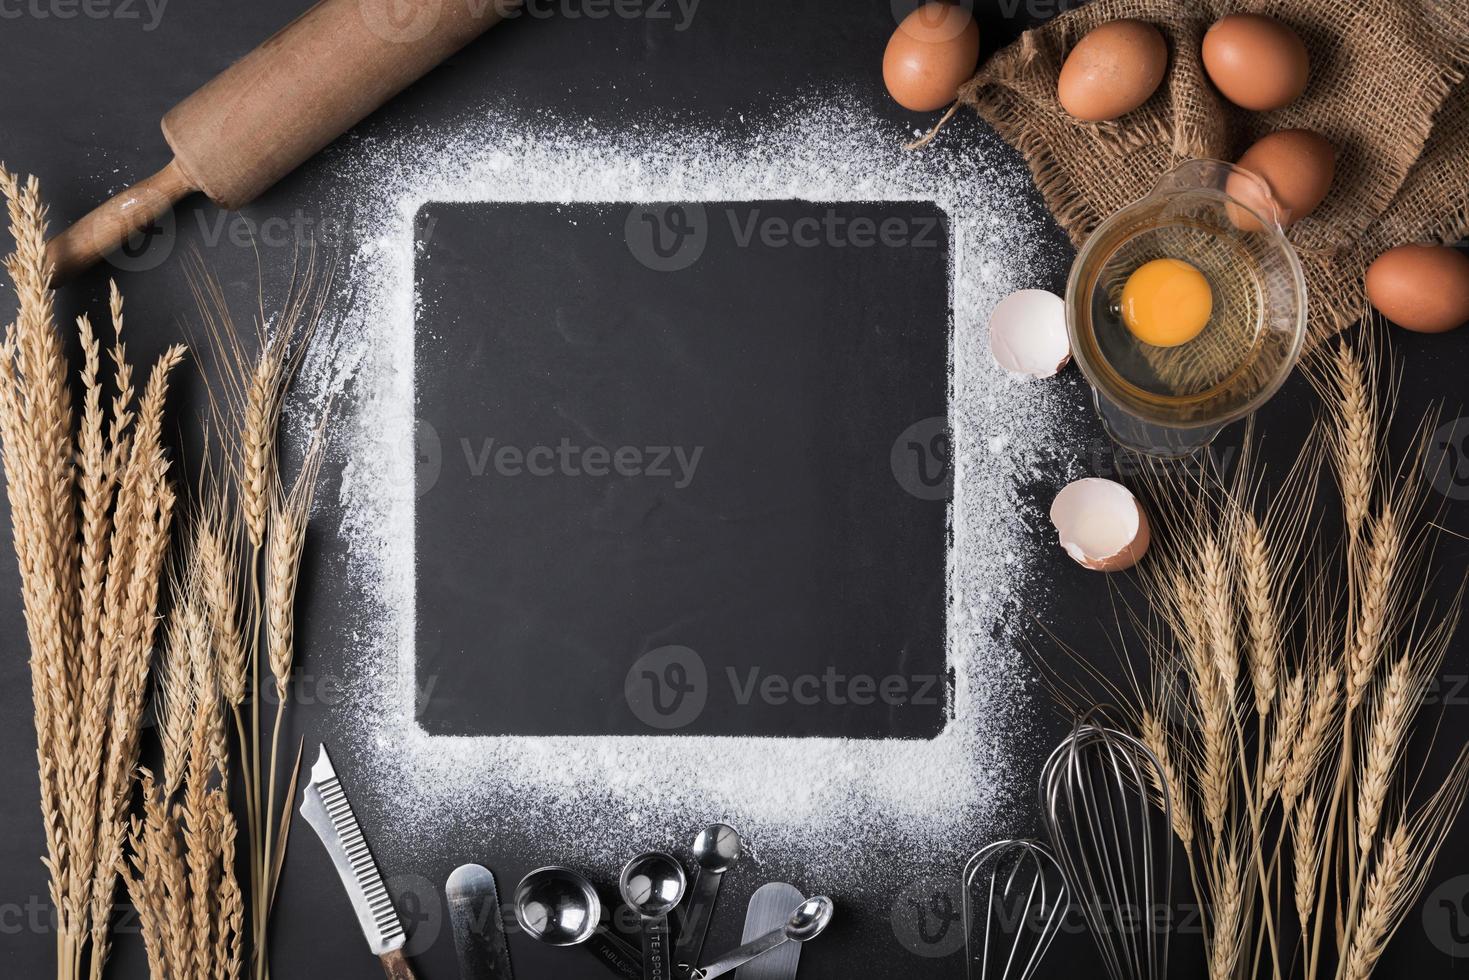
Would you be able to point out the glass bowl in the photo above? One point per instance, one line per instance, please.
(1172, 401)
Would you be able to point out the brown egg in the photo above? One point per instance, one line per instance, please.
(934, 51)
(1256, 61)
(1424, 288)
(1298, 166)
(1113, 70)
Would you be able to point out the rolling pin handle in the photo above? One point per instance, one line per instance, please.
(106, 228)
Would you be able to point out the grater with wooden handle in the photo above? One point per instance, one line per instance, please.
(327, 810)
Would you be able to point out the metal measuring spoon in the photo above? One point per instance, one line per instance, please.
(807, 922)
(559, 907)
(653, 884)
(715, 848)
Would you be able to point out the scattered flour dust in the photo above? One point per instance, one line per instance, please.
(820, 809)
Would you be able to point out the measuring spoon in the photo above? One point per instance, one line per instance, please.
(716, 847)
(559, 907)
(807, 922)
(652, 884)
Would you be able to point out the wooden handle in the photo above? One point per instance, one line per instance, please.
(395, 965)
(104, 229)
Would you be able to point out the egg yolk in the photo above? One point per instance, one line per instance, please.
(1166, 302)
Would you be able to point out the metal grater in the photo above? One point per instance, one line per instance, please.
(326, 808)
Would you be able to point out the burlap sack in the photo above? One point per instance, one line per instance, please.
(1386, 88)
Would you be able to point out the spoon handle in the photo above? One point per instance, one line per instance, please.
(737, 958)
(628, 949)
(657, 949)
(615, 955)
(696, 916)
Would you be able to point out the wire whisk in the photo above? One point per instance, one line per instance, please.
(1025, 898)
(1100, 801)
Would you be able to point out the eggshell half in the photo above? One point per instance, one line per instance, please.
(1101, 524)
(1423, 288)
(1028, 333)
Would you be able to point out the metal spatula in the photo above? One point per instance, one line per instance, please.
(479, 928)
(769, 909)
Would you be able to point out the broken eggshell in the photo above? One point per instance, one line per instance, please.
(1101, 524)
(1028, 333)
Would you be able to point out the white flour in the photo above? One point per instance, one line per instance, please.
(597, 800)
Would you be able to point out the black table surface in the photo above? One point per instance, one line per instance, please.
(84, 87)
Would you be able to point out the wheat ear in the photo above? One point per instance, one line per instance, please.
(219, 569)
(1354, 441)
(1228, 940)
(1257, 582)
(1171, 788)
(1374, 594)
(1316, 734)
(1391, 717)
(1284, 734)
(1306, 857)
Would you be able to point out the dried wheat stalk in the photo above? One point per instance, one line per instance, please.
(182, 876)
(288, 517)
(1316, 737)
(1227, 941)
(1284, 735)
(92, 513)
(219, 562)
(1287, 674)
(91, 510)
(1155, 736)
(259, 530)
(1399, 873)
(1306, 858)
(1257, 584)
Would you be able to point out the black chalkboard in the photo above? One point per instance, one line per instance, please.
(682, 468)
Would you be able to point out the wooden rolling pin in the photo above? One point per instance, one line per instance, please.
(269, 112)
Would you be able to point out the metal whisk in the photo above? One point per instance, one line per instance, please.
(1025, 898)
(1098, 794)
